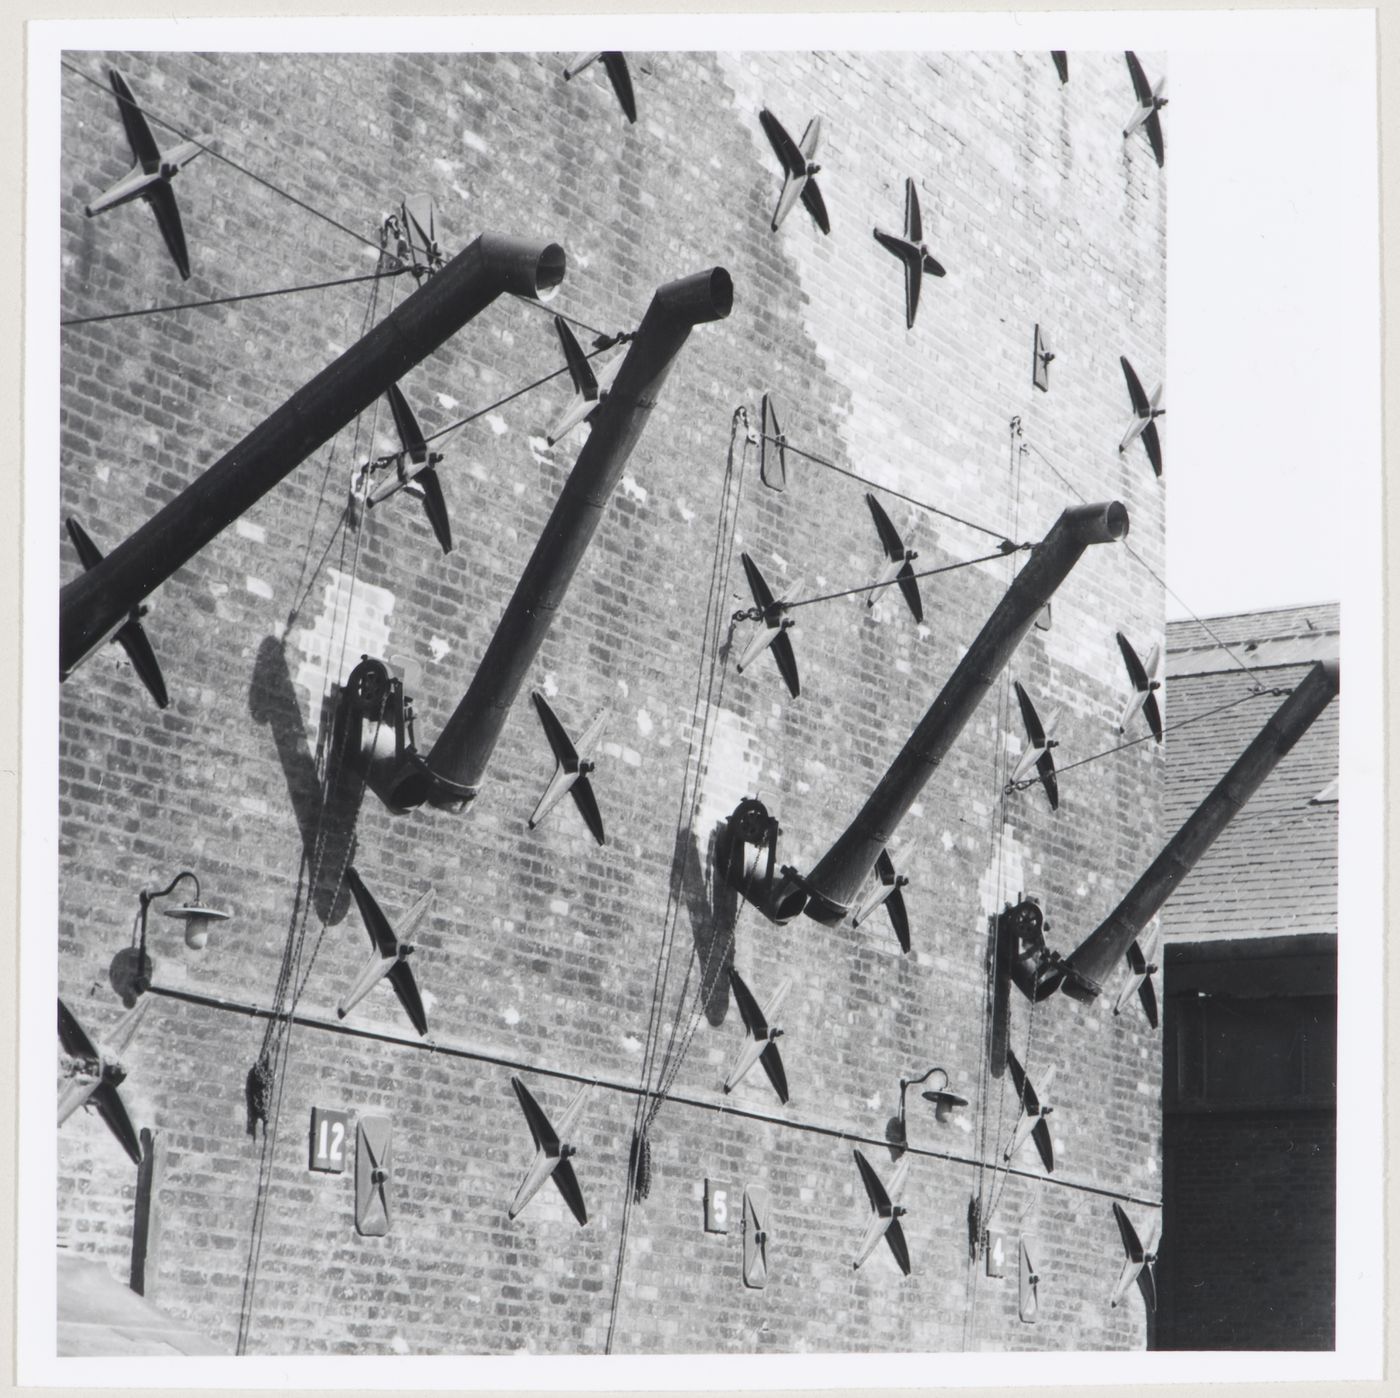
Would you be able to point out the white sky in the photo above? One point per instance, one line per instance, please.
(1271, 441)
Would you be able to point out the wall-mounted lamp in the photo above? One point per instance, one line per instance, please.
(196, 917)
(133, 970)
(944, 1101)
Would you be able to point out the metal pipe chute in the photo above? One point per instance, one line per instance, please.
(452, 772)
(1087, 969)
(92, 605)
(829, 891)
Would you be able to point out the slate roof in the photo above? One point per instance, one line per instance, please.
(1274, 869)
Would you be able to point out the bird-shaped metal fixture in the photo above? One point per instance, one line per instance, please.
(1040, 744)
(150, 176)
(912, 251)
(1146, 411)
(554, 1150)
(887, 1211)
(590, 389)
(390, 954)
(130, 635)
(799, 169)
(1142, 966)
(1150, 101)
(761, 1046)
(415, 470)
(1140, 1265)
(899, 562)
(1035, 1110)
(773, 614)
(888, 893)
(95, 1072)
(615, 65)
(573, 763)
(1146, 681)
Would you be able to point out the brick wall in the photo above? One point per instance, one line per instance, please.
(1250, 1258)
(542, 950)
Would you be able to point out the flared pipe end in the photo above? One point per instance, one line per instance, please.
(1103, 523)
(696, 299)
(526, 266)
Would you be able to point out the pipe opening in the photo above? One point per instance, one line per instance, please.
(1116, 519)
(549, 272)
(698, 298)
(721, 292)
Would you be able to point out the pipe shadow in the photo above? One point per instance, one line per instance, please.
(713, 909)
(325, 812)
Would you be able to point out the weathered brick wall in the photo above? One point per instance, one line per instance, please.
(542, 949)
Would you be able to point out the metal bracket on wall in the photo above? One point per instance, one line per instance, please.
(94, 1072)
(1035, 1111)
(389, 953)
(414, 470)
(899, 562)
(772, 446)
(145, 1225)
(1033, 968)
(1028, 1298)
(888, 893)
(775, 623)
(572, 764)
(418, 246)
(756, 1237)
(373, 1163)
(615, 65)
(800, 169)
(1039, 750)
(1041, 356)
(151, 174)
(130, 635)
(761, 1045)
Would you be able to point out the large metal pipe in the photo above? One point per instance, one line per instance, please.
(453, 770)
(1100, 955)
(92, 605)
(834, 883)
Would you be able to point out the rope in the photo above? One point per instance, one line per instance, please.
(230, 300)
(501, 402)
(287, 194)
(756, 613)
(301, 597)
(227, 160)
(1000, 762)
(1147, 737)
(650, 1102)
(276, 1047)
(875, 485)
(1151, 572)
(722, 1107)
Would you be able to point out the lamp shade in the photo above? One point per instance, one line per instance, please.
(197, 920)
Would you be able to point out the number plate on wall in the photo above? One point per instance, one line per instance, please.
(716, 1206)
(329, 1131)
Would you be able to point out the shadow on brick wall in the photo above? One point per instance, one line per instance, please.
(713, 908)
(325, 814)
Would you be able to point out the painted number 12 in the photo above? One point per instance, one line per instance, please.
(328, 1132)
